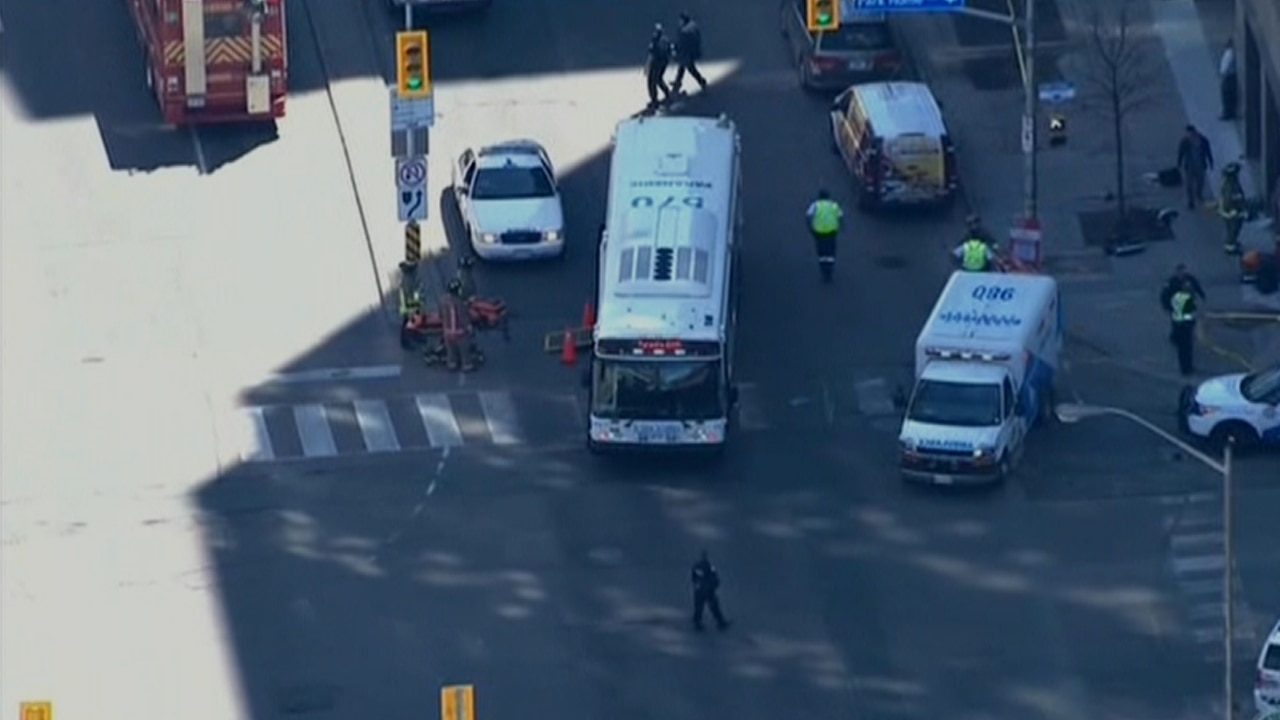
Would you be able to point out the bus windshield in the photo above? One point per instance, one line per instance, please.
(657, 390)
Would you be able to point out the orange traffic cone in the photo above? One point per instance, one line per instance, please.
(589, 315)
(569, 353)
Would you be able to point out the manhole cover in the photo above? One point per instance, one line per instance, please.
(891, 262)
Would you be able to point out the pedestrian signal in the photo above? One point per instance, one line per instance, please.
(1057, 131)
(413, 64)
(823, 15)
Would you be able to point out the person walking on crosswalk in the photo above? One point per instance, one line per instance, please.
(824, 216)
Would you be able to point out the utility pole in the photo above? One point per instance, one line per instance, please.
(1228, 584)
(1025, 46)
(1031, 144)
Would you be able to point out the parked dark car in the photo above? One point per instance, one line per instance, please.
(863, 49)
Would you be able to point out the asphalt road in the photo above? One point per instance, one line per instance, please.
(144, 520)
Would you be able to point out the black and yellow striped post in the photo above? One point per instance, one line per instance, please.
(412, 243)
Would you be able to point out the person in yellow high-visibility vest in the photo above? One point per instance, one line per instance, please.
(824, 217)
(975, 253)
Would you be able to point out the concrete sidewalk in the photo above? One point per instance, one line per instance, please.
(1114, 314)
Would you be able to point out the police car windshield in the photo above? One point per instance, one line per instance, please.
(956, 404)
(511, 183)
(1262, 387)
(657, 390)
(855, 36)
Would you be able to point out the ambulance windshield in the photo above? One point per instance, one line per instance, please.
(955, 404)
(657, 390)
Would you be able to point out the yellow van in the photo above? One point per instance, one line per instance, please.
(893, 140)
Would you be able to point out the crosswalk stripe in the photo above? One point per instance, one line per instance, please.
(376, 426)
(314, 431)
(1197, 540)
(436, 412)
(1199, 563)
(1206, 611)
(1200, 587)
(262, 448)
(500, 417)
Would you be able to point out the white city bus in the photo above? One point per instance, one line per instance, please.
(662, 359)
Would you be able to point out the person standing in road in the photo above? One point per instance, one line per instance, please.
(1195, 160)
(706, 586)
(824, 216)
(1231, 207)
(1229, 87)
(1182, 330)
(975, 253)
(1181, 276)
(655, 68)
(688, 53)
(456, 332)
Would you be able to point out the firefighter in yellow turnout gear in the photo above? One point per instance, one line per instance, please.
(1231, 207)
(412, 313)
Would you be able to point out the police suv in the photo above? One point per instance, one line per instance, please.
(661, 372)
(1240, 408)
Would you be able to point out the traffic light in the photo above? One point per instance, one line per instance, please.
(823, 15)
(413, 64)
(1057, 130)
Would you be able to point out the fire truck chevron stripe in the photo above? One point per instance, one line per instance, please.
(227, 50)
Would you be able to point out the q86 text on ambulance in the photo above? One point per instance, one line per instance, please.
(661, 372)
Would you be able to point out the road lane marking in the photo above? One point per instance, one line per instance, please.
(375, 425)
(368, 372)
(314, 431)
(438, 419)
(874, 397)
(262, 450)
(500, 416)
(751, 414)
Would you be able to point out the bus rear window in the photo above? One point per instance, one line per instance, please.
(854, 37)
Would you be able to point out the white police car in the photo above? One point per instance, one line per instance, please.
(509, 201)
(1240, 407)
(1266, 688)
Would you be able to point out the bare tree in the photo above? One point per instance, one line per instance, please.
(1119, 78)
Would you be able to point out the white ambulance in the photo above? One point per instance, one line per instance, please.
(661, 372)
(985, 365)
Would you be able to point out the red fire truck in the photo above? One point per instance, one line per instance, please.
(215, 61)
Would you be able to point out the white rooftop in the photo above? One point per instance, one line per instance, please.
(664, 271)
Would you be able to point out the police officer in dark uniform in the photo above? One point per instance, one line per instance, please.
(688, 53)
(706, 585)
(655, 67)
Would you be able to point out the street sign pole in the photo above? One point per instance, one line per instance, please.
(1031, 172)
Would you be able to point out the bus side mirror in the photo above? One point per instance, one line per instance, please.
(733, 395)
